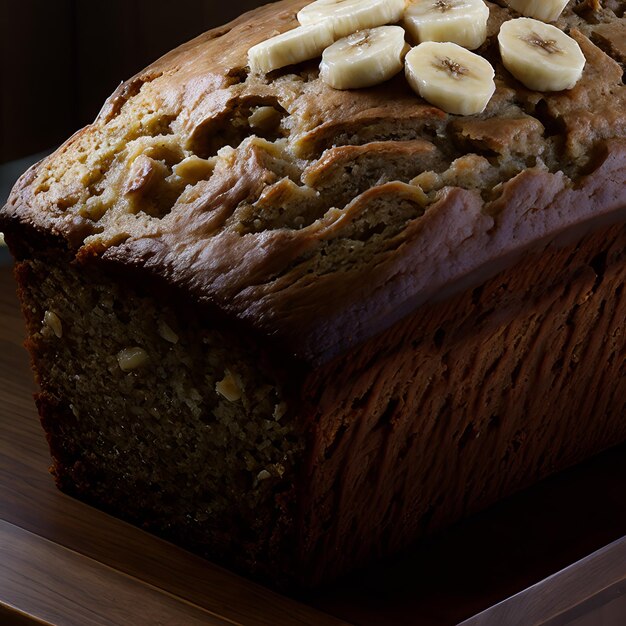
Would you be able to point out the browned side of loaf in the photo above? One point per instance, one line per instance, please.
(466, 402)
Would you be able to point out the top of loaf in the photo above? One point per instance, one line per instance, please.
(320, 217)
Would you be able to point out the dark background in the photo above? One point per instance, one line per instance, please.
(60, 59)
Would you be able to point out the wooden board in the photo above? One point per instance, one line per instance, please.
(63, 562)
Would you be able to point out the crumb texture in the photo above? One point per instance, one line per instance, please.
(139, 423)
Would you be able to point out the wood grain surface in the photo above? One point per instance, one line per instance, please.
(71, 584)
(581, 591)
(530, 559)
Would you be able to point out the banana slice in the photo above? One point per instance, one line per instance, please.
(348, 16)
(540, 56)
(463, 22)
(450, 77)
(294, 46)
(544, 10)
(365, 58)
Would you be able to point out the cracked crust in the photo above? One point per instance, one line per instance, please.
(325, 221)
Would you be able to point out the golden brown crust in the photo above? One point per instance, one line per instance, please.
(306, 226)
(326, 168)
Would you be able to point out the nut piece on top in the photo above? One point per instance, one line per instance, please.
(365, 58)
(540, 56)
(294, 46)
(463, 22)
(545, 10)
(450, 77)
(348, 16)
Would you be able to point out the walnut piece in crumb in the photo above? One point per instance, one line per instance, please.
(229, 387)
(144, 172)
(131, 359)
(263, 475)
(166, 332)
(193, 169)
(53, 321)
(264, 118)
(279, 411)
(427, 181)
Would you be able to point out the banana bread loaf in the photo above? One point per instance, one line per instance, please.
(294, 329)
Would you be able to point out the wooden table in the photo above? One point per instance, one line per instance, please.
(64, 562)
